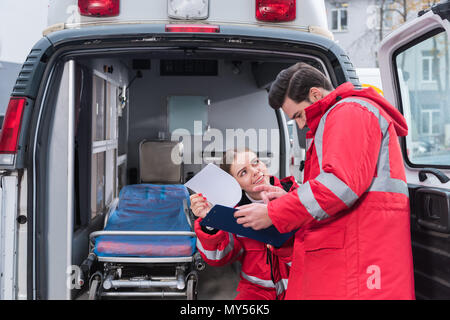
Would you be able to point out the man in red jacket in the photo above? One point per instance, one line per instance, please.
(352, 209)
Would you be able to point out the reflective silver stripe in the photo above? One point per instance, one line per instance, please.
(217, 254)
(281, 286)
(383, 166)
(306, 197)
(389, 185)
(382, 121)
(240, 253)
(318, 138)
(383, 182)
(308, 143)
(258, 281)
(338, 187)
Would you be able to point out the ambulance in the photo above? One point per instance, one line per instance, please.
(110, 75)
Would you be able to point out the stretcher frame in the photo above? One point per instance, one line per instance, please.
(180, 281)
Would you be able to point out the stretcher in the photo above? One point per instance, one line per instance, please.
(147, 247)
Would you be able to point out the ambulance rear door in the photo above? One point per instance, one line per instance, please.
(415, 72)
(8, 235)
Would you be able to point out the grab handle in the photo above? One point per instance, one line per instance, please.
(439, 174)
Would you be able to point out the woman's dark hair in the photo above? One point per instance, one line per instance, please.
(229, 156)
(295, 82)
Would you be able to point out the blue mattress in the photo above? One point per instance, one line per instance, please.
(148, 207)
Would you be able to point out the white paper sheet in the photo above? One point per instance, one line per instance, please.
(216, 185)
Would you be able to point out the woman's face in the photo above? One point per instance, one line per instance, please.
(249, 172)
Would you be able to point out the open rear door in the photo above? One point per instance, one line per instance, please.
(415, 71)
(8, 236)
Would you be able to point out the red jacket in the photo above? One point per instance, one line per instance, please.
(256, 257)
(353, 209)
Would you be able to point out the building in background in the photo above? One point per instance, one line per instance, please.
(355, 26)
(21, 26)
(8, 75)
(359, 26)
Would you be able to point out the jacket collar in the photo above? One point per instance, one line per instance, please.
(315, 111)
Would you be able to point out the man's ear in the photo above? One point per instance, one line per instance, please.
(315, 94)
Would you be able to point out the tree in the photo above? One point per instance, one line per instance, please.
(394, 13)
(398, 12)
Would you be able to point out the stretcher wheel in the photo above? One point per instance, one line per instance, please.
(191, 289)
(93, 289)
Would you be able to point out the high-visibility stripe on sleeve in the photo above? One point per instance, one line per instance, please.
(308, 200)
(216, 255)
(335, 185)
(338, 187)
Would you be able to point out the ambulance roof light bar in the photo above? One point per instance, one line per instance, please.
(99, 8)
(275, 10)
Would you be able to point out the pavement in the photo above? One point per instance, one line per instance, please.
(218, 283)
(214, 283)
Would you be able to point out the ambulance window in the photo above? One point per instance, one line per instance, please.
(423, 72)
(187, 112)
(104, 144)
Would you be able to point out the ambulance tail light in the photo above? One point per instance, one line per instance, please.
(275, 10)
(10, 131)
(192, 28)
(99, 8)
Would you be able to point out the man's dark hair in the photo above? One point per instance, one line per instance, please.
(295, 82)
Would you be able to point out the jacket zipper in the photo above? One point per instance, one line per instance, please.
(269, 262)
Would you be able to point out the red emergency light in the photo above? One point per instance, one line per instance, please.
(99, 8)
(9, 135)
(192, 28)
(275, 10)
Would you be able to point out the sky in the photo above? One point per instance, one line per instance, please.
(21, 26)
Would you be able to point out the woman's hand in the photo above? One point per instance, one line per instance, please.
(199, 205)
(269, 192)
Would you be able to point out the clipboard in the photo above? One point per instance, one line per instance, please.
(222, 218)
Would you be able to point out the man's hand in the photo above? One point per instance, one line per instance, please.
(253, 215)
(269, 192)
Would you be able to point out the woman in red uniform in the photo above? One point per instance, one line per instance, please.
(265, 270)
